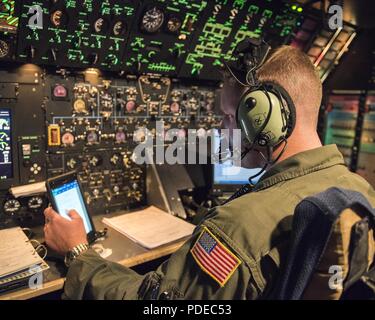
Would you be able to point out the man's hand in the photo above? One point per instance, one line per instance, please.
(61, 234)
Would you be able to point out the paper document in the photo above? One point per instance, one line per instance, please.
(28, 189)
(150, 227)
(16, 252)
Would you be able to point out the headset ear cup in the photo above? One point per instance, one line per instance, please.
(279, 123)
(291, 121)
(241, 102)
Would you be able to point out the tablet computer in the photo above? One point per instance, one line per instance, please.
(65, 193)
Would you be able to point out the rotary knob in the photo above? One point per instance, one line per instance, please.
(114, 159)
(126, 161)
(71, 163)
(137, 195)
(94, 161)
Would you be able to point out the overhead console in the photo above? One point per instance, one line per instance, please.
(185, 39)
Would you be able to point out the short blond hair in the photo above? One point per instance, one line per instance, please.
(292, 69)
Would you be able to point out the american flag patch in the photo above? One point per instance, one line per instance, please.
(214, 258)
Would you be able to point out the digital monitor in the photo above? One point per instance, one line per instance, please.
(6, 157)
(67, 197)
(226, 173)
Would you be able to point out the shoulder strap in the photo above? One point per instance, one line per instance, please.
(313, 220)
(334, 200)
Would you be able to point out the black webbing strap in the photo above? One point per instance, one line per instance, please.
(313, 220)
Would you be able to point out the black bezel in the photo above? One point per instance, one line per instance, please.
(61, 180)
(7, 183)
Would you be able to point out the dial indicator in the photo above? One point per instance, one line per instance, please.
(67, 139)
(4, 49)
(11, 207)
(58, 18)
(118, 28)
(35, 203)
(174, 24)
(152, 20)
(100, 25)
(92, 137)
(79, 106)
(120, 136)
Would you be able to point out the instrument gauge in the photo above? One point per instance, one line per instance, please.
(99, 25)
(60, 91)
(67, 139)
(92, 137)
(174, 24)
(11, 207)
(79, 106)
(152, 20)
(35, 203)
(120, 136)
(118, 28)
(57, 18)
(4, 49)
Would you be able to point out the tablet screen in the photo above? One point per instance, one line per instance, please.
(69, 197)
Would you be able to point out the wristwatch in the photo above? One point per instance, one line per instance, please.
(71, 255)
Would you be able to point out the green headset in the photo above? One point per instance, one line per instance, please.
(265, 113)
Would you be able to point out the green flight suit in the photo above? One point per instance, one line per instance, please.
(255, 228)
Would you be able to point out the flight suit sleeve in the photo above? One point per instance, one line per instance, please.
(186, 275)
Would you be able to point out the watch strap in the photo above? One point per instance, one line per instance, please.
(75, 252)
